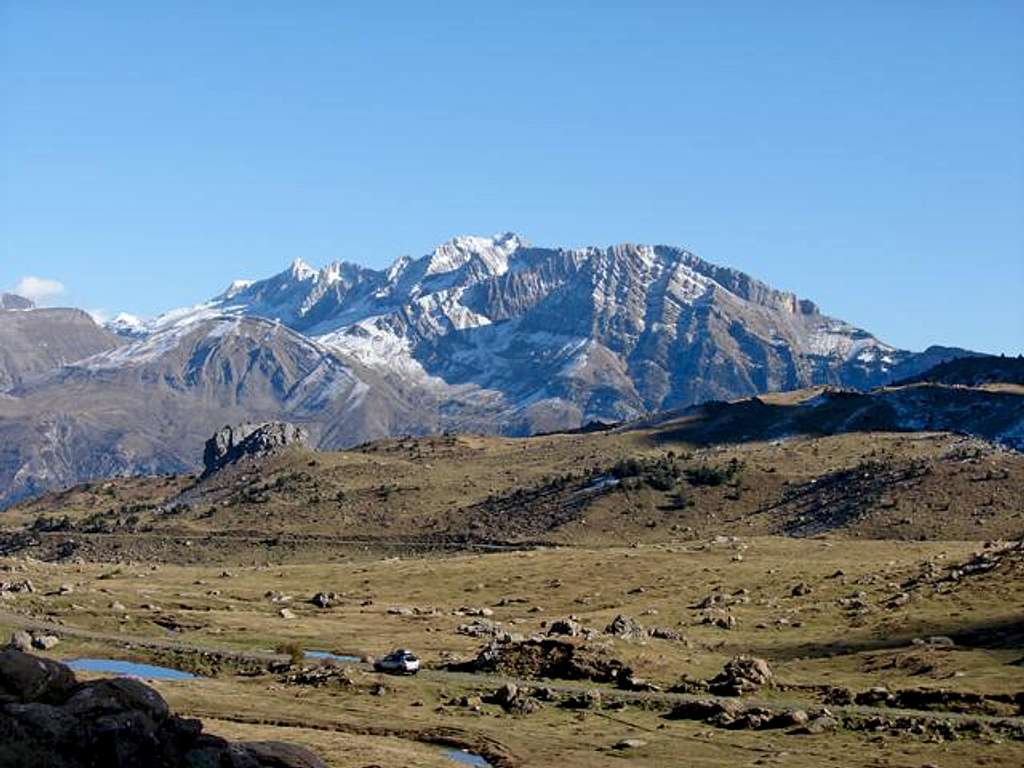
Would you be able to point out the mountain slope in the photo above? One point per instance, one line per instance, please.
(148, 407)
(33, 341)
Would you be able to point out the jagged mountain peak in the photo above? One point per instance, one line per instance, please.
(300, 270)
(493, 252)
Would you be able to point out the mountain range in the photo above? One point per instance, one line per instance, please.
(485, 334)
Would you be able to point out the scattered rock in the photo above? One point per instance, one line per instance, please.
(24, 585)
(322, 599)
(512, 698)
(569, 627)
(478, 628)
(627, 628)
(286, 613)
(719, 618)
(819, 724)
(629, 744)
(664, 633)
(464, 611)
(742, 674)
(590, 699)
(899, 600)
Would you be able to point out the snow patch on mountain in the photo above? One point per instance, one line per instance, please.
(492, 252)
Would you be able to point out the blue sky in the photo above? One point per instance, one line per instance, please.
(867, 155)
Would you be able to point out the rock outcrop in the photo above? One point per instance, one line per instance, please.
(50, 720)
(14, 301)
(231, 443)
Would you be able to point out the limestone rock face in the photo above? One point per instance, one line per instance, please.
(231, 443)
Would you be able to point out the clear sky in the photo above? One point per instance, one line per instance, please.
(866, 154)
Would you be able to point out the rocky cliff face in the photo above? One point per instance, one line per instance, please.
(14, 301)
(231, 443)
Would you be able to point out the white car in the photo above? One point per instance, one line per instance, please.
(399, 662)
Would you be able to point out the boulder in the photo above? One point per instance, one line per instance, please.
(568, 627)
(26, 678)
(49, 720)
(626, 627)
(45, 642)
(271, 754)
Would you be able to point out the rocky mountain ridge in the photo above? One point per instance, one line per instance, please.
(588, 333)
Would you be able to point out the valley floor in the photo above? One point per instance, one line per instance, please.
(939, 625)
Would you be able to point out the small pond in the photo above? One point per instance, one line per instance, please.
(466, 758)
(123, 668)
(332, 656)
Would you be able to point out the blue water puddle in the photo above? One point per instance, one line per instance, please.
(466, 758)
(332, 656)
(129, 669)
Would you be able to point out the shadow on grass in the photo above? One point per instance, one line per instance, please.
(1005, 634)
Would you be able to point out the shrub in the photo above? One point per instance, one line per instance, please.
(293, 650)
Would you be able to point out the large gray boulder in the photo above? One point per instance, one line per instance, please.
(230, 443)
(50, 720)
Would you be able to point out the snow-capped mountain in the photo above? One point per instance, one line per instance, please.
(570, 334)
(485, 334)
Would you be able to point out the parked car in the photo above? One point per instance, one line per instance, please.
(398, 662)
